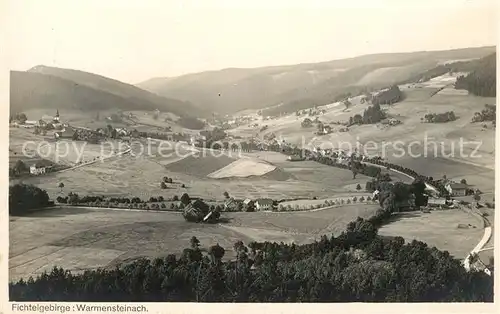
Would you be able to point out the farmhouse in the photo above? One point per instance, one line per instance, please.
(29, 124)
(40, 167)
(230, 204)
(264, 204)
(457, 189)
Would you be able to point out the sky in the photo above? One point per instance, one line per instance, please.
(133, 41)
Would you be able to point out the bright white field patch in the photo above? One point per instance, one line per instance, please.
(455, 61)
(442, 81)
(242, 168)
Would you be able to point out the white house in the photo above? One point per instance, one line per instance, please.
(40, 167)
(457, 189)
(264, 204)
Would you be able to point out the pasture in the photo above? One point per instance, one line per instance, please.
(78, 239)
(139, 174)
(438, 228)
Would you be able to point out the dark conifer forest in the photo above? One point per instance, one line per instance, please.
(482, 81)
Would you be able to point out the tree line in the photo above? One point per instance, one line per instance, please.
(482, 80)
(489, 113)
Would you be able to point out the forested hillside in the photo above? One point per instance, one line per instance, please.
(482, 80)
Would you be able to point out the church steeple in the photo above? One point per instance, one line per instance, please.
(56, 118)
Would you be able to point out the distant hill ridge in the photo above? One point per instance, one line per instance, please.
(234, 89)
(50, 87)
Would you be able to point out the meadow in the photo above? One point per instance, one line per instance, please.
(438, 228)
(78, 239)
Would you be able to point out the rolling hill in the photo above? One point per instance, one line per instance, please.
(234, 89)
(51, 88)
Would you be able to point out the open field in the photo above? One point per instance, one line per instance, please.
(200, 165)
(140, 175)
(78, 239)
(438, 228)
(243, 167)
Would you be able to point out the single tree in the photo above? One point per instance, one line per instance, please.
(358, 187)
(163, 185)
(226, 195)
(20, 167)
(61, 186)
(195, 243)
(463, 181)
(185, 199)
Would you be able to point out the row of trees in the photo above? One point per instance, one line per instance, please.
(440, 117)
(327, 203)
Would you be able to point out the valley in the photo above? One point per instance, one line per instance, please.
(289, 161)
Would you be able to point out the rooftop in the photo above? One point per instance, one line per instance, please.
(265, 201)
(41, 163)
(458, 186)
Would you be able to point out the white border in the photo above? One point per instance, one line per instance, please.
(5, 306)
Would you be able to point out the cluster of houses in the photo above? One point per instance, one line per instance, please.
(250, 205)
(31, 167)
(53, 123)
(40, 167)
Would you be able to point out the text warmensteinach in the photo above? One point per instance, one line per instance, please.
(111, 308)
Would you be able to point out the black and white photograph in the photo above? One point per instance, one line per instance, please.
(249, 152)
